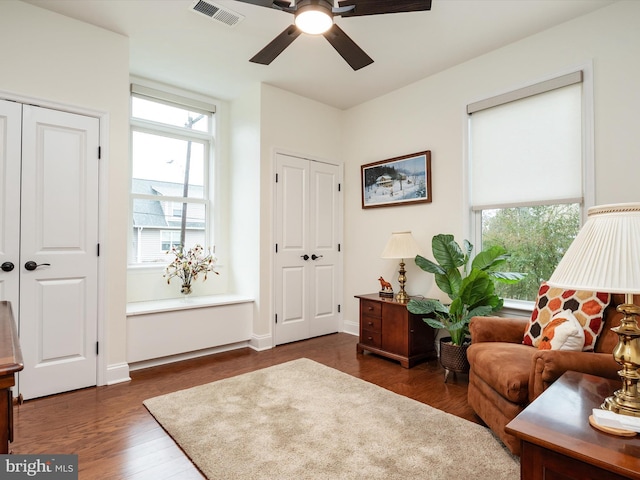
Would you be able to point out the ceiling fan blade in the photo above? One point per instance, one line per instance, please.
(347, 48)
(278, 4)
(379, 7)
(277, 46)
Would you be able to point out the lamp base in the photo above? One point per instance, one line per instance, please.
(402, 297)
(616, 403)
(626, 401)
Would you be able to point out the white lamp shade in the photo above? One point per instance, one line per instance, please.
(401, 245)
(605, 256)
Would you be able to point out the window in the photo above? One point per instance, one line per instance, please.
(527, 176)
(169, 239)
(171, 145)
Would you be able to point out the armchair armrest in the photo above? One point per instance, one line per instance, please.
(549, 365)
(497, 329)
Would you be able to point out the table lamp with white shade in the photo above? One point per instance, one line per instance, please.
(401, 246)
(605, 257)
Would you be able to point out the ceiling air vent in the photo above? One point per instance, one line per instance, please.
(216, 12)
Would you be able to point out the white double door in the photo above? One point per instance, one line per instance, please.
(49, 242)
(308, 262)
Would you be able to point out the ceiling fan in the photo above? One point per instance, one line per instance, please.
(316, 17)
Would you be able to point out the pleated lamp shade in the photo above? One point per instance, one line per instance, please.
(605, 256)
(401, 245)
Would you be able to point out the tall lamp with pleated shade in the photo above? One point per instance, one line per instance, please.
(401, 246)
(605, 256)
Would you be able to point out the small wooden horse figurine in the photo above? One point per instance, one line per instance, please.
(384, 285)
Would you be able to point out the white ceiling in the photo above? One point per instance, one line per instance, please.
(171, 44)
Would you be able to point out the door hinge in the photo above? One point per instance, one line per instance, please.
(338, 247)
(99, 153)
(339, 187)
(98, 249)
(338, 308)
(276, 178)
(276, 318)
(97, 348)
(276, 248)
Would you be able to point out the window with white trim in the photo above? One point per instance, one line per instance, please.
(171, 154)
(527, 175)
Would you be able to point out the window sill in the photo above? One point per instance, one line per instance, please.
(517, 309)
(171, 304)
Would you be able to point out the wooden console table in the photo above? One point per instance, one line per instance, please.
(558, 442)
(387, 328)
(10, 364)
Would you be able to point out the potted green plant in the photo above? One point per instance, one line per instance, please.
(471, 288)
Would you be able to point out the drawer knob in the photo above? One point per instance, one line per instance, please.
(369, 338)
(369, 308)
(370, 324)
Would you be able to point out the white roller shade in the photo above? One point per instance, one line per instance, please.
(180, 100)
(536, 140)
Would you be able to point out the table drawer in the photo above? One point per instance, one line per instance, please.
(370, 338)
(371, 309)
(373, 324)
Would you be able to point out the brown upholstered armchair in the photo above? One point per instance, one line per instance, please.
(506, 376)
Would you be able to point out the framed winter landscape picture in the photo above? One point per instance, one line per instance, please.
(397, 181)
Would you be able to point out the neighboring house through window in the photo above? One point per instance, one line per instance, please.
(171, 145)
(530, 175)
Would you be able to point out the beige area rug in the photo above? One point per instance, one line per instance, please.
(304, 420)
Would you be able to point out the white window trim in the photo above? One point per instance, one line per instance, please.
(196, 101)
(472, 221)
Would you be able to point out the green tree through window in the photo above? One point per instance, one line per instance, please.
(536, 237)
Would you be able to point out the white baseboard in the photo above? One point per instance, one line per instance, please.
(117, 373)
(261, 342)
(186, 356)
(352, 328)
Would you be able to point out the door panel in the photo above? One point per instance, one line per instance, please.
(292, 239)
(10, 151)
(58, 300)
(307, 260)
(292, 316)
(324, 221)
(294, 205)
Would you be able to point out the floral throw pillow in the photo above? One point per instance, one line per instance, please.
(587, 307)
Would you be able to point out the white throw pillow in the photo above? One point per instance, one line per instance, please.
(563, 332)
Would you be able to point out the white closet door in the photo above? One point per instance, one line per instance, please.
(59, 234)
(307, 262)
(10, 151)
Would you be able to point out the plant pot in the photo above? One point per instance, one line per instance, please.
(453, 358)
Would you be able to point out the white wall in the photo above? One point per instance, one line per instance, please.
(49, 57)
(430, 114)
(244, 198)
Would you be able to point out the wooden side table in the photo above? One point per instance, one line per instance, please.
(559, 443)
(387, 328)
(10, 364)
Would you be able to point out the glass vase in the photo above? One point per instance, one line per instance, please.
(185, 289)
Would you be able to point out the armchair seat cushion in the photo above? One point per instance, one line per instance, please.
(504, 367)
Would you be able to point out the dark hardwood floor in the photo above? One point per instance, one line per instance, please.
(116, 438)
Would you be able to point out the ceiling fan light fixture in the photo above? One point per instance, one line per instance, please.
(313, 17)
